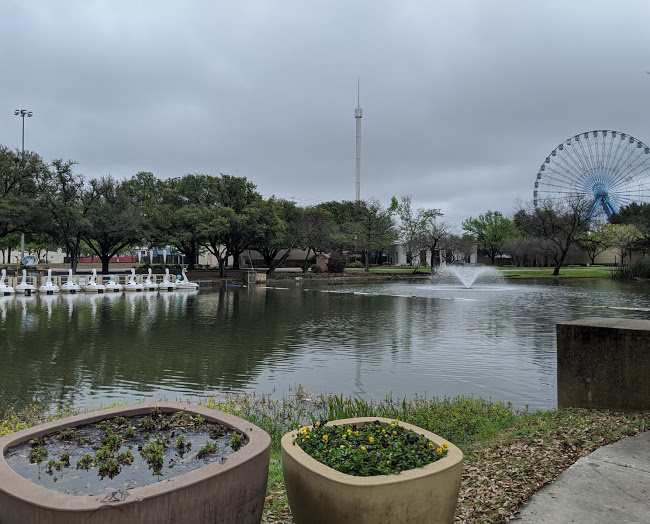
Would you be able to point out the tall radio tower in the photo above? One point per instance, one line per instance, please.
(357, 117)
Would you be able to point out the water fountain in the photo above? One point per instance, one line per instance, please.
(468, 276)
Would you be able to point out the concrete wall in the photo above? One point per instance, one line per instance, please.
(604, 363)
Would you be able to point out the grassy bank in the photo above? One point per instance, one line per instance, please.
(508, 454)
(565, 272)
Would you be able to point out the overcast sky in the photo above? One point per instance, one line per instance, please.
(462, 100)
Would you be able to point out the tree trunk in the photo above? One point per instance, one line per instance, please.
(105, 260)
(222, 267)
(272, 267)
(304, 263)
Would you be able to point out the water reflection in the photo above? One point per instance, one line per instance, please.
(495, 341)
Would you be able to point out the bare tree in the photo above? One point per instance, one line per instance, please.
(560, 223)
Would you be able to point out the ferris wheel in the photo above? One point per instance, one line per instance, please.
(609, 168)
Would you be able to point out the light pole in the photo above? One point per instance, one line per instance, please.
(23, 113)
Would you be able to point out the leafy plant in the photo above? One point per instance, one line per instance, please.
(208, 449)
(125, 458)
(109, 468)
(38, 454)
(236, 441)
(85, 462)
(370, 449)
(67, 434)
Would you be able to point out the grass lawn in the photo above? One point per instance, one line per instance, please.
(565, 272)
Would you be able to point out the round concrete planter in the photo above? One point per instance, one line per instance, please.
(320, 494)
(230, 492)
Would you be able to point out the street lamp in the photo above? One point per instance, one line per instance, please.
(23, 113)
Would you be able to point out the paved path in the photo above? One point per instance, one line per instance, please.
(611, 485)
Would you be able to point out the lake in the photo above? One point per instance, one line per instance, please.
(495, 340)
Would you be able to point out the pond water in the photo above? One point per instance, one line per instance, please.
(495, 340)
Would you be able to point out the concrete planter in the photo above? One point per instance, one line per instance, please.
(230, 492)
(319, 494)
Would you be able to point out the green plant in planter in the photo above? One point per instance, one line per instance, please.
(109, 468)
(236, 441)
(67, 434)
(367, 450)
(208, 449)
(38, 453)
(85, 462)
(125, 458)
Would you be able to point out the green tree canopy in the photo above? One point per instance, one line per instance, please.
(113, 222)
(490, 231)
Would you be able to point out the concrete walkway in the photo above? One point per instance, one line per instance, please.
(611, 485)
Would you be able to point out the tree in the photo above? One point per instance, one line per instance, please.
(19, 178)
(376, 229)
(113, 222)
(279, 229)
(183, 213)
(637, 215)
(146, 194)
(315, 233)
(560, 224)
(435, 235)
(625, 237)
(64, 201)
(239, 195)
(232, 217)
(490, 231)
(411, 228)
(596, 240)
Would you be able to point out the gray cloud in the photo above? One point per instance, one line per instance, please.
(462, 100)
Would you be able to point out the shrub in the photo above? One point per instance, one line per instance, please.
(356, 264)
(336, 262)
(315, 268)
(639, 269)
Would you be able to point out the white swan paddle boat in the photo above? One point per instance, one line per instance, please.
(70, 286)
(132, 284)
(149, 284)
(5, 289)
(24, 287)
(113, 286)
(49, 287)
(185, 284)
(167, 283)
(92, 286)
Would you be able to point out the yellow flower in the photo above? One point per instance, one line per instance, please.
(394, 432)
(356, 433)
(363, 448)
(306, 436)
(325, 437)
(341, 446)
(317, 424)
(330, 450)
(439, 450)
(388, 462)
(371, 439)
(444, 445)
(349, 431)
(344, 436)
(392, 425)
(383, 431)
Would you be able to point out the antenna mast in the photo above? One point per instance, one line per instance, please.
(357, 116)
